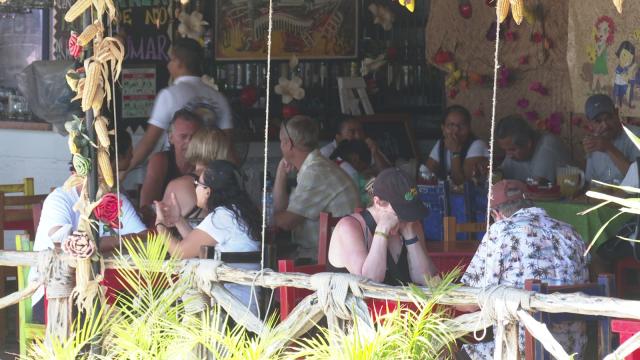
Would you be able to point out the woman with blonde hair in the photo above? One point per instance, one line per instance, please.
(207, 145)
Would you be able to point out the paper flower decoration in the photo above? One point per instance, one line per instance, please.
(382, 16)
(209, 81)
(370, 65)
(409, 4)
(74, 48)
(536, 86)
(453, 93)
(290, 89)
(191, 25)
(108, 210)
(79, 245)
(554, 123)
(523, 103)
(504, 75)
(532, 115)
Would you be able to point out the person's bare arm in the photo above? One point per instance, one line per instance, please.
(420, 264)
(189, 247)
(287, 220)
(108, 243)
(348, 249)
(476, 166)
(145, 146)
(154, 179)
(380, 161)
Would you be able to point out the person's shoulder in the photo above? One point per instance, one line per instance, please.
(475, 143)
(60, 194)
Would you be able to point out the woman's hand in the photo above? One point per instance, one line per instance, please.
(168, 213)
(452, 143)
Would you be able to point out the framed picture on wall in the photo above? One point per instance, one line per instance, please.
(326, 29)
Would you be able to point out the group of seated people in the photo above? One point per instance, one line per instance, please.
(194, 193)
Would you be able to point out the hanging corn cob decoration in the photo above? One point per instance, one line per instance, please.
(517, 10)
(618, 5)
(104, 165)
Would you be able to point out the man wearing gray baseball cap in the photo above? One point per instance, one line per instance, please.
(608, 149)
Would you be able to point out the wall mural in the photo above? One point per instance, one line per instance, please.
(603, 57)
(310, 29)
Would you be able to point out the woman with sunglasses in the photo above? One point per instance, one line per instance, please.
(233, 225)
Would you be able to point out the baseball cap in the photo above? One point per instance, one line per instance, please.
(395, 186)
(507, 190)
(598, 104)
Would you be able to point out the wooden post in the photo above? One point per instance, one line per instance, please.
(60, 283)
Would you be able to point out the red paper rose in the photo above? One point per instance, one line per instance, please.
(74, 48)
(108, 210)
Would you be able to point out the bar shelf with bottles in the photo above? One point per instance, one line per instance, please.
(406, 83)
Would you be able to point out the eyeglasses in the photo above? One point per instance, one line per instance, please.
(197, 183)
(284, 125)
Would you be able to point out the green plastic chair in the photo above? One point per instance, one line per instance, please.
(27, 329)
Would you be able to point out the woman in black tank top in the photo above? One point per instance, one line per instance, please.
(385, 242)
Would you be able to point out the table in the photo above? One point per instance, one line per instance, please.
(586, 225)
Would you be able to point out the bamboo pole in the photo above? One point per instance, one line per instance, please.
(576, 303)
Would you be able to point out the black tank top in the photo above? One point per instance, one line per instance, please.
(397, 273)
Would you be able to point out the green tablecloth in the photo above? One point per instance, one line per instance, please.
(586, 225)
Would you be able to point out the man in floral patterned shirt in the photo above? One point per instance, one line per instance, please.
(525, 243)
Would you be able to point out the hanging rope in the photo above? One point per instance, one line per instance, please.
(266, 133)
(493, 119)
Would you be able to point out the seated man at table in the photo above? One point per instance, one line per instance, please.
(165, 166)
(525, 243)
(322, 186)
(529, 155)
(58, 218)
(609, 150)
(349, 129)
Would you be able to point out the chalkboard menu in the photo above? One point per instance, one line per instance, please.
(144, 24)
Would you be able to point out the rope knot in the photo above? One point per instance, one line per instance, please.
(332, 291)
(499, 303)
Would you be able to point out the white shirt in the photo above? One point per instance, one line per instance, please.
(191, 91)
(601, 167)
(631, 179)
(328, 149)
(478, 148)
(232, 236)
(549, 154)
(57, 210)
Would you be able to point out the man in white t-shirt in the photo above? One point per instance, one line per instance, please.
(188, 90)
(59, 218)
(350, 129)
(609, 150)
(530, 155)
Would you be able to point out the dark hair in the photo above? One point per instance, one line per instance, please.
(457, 109)
(190, 53)
(516, 127)
(343, 121)
(124, 144)
(187, 115)
(348, 147)
(225, 180)
(626, 45)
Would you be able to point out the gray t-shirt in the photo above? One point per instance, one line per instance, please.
(602, 168)
(550, 152)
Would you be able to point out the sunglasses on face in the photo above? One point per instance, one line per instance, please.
(197, 183)
(286, 131)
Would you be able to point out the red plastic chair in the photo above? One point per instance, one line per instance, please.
(626, 329)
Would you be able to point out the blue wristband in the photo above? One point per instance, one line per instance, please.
(411, 241)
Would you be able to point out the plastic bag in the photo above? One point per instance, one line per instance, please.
(44, 85)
